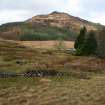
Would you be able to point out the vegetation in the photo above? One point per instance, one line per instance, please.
(47, 33)
(90, 44)
(101, 43)
(60, 45)
(86, 43)
(80, 39)
(55, 91)
(7, 26)
(27, 32)
(84, 84)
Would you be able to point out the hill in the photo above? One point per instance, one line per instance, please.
(62, 20)
(46, 27)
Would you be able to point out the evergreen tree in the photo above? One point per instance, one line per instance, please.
(80, 39)
(90, 44)
(101, 43)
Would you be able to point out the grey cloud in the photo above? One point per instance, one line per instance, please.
(28, 4)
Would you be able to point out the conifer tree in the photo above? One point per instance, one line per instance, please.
(80, 39)
(90, 44)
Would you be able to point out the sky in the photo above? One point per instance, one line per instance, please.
(20, 10)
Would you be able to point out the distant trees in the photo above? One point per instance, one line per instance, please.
(86, 43)
(46, 33)
(101, 43)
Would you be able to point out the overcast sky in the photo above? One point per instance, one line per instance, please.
(20, 10)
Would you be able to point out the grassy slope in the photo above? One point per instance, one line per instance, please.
(85, 86)
(27, 31)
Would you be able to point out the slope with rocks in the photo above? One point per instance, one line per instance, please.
(62, 20)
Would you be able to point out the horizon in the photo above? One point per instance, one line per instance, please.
(14, 11)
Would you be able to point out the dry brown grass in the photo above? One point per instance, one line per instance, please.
(75, 89)
(45, 44)
(11, 53)
(56, 92)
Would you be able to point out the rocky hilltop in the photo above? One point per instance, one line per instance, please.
(62, 20)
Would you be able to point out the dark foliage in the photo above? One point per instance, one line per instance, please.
(90, 44)
(80, 39)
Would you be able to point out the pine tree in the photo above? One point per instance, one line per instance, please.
(90, 44)
(80, 39)
(101, 43)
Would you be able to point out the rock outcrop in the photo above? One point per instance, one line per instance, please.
(62, 20)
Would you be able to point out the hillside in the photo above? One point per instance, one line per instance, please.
(46, 27)
(62, 20)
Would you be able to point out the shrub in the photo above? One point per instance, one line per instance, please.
(78, 52)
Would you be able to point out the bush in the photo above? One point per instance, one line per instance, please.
(78, 52)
